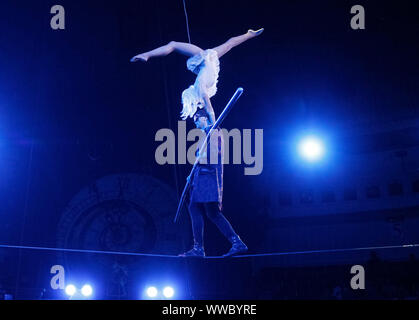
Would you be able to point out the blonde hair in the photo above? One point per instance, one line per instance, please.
(191, 102)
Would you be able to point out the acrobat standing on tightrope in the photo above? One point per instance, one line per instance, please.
(207, 182)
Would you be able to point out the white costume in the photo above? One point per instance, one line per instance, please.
(207, 66)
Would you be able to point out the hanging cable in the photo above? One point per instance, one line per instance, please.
(187, 21)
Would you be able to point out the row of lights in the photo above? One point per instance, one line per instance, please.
(86, 290)
(152, 292)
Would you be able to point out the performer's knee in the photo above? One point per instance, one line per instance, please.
(231, 43)
(171, 46)
(212, 210)
(193, 209)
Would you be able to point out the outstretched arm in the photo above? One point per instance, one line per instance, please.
(209, 109)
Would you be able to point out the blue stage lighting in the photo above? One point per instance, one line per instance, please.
(70, 290)
(86, 290)
(311, 148)
(152, 292)
(168, 292)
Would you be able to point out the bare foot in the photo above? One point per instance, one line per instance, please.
(140, 57)
(254, 33)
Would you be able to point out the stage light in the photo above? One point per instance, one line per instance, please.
(311, 148)
(152, 292)
(168, 292)
(70, 290)
(86, 290)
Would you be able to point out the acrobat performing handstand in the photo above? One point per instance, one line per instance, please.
(207, 180)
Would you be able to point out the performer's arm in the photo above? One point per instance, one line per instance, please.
(209, 110)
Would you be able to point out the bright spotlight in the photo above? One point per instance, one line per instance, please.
(168, 292)
(70, 290)
(311, 148)
(87, 290)
(152, 292)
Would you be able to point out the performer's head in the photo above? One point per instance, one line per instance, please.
(201, 119)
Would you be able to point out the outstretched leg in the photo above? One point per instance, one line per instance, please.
(225, 227)
(235, 41)
(214, 214)
(186, 49)
(196, 211)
